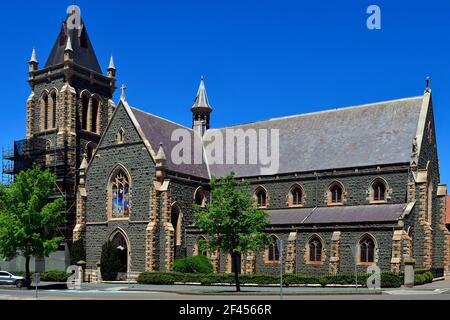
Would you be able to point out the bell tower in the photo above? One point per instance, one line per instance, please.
(69, 107)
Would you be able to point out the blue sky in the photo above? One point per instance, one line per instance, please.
(261, 59)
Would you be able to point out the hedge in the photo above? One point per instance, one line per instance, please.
(388, 279)
(54, 276)
(422, 278)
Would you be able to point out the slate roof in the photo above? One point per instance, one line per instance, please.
(374, 134)
(158, 130)
(82, 55)
(339, 214)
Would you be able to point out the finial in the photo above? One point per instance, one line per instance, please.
(428, 88)
(161, 155)
(202, 78)
(68, 45)
(84, 162)
(111, 64)
(33, 58)
(122, 96)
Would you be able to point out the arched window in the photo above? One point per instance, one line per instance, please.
(95, 123)
(295, 197)
(44, 105)
(120, 136)
(199, 197)
(429, 202)
(273, 253)
(366, 249)
(53, 110)
(261, 197)
(120, 192)
(315, 249)
(378, 190)
(84, 111)
(335, 193)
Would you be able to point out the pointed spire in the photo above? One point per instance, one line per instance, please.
(33, 58)
(111, 64)
(69, 44)
(84, 162)
(201, 100)
(123, 96)
(161, 155)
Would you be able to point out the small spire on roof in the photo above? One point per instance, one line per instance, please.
(33, 56)
(161, 155)
(111, 64)
(69, 44)
(201, 100)
(84, 162)
(123, 96)
(428, 88)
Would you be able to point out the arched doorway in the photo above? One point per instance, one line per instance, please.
(120, 242)
(176, 220)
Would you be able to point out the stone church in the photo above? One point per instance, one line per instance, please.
(353, 185)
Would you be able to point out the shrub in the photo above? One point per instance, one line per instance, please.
(77, 252)
(54, 276)
(422, 278)
(110, 263)
(388, 279)
(391, 280)
(196, 264)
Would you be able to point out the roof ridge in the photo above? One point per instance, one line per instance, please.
(161, 118)
(323, 111)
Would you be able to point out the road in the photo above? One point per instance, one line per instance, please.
(436, 291)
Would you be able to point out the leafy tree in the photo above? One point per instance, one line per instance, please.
(232, 221)
(28, 219)
(109, 262)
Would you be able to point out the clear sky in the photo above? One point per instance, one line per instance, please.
(261, 59)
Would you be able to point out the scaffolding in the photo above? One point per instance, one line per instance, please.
(59, 159)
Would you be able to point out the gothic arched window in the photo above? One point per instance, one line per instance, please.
(295, 197)
(120, 194)
(53, 110)
(199, 197)
(95, 122)
(379, 190)
(335, 194)
(261, 197)
(273, 253)
(84, 111)
(44, 106)
(315, 249)
(366, 249)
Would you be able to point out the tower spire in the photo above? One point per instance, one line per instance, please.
(33, 56)
(111, 68)
(201, 110)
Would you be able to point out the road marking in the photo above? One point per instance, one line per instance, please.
(416, 292)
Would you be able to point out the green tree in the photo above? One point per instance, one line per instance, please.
(109, 262)
(28, 219)
(232, 221)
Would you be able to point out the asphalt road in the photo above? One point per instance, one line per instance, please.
(435, 291)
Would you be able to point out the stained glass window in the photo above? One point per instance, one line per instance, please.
(120, 194)
(367, 250)
(315, 250)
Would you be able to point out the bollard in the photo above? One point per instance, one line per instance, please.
(409, 272)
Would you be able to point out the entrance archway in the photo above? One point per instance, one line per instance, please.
(120, 242)
(176, 220)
